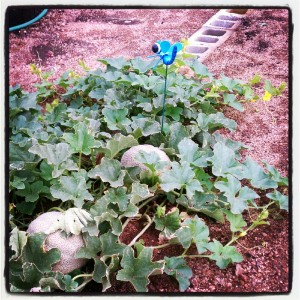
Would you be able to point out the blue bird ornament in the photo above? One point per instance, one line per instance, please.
(167, 53)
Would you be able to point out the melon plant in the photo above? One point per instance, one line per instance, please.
(93, 144)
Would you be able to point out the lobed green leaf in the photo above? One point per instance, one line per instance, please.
(180, 176)
(109, 171)
(280, 199)
(177, 267)
(168, 223)
(193, 231)
(223, 255)
(258, 178)
(137, 270)
(73, 187)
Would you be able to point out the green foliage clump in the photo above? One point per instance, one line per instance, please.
(66, 142)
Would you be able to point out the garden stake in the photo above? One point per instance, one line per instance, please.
(165, 94)
(167, 54)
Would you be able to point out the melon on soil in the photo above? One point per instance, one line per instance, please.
(128, 160)
(68, 246)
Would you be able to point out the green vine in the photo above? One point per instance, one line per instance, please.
(69, 159)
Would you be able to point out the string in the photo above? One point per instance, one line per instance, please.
(165, 93)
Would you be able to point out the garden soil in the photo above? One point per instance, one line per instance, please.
(258, 46)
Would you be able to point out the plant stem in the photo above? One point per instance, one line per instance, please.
(234, 238)
(249, 249)
(101, 188)
(83, 284)
(17, 221)
(147, 201)
(199, 100)
(82, 275)
(249, 214)
(194, 256)
(262, 207)
(150, 221)
(221, 201)
(128, 220)
(273, 119)
(164, 101)
(217, 179)
(175, 193)
(184, 252)
(153, 173)
(161, 246)
(57, 208)
(265, 207)
(146, 211)
(162, 204)
(181, 191)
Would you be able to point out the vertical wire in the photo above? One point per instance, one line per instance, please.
(165, 93)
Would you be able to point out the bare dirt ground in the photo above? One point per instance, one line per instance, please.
(63, 37)
(258, 46)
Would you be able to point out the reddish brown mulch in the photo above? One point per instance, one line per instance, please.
(259, 46)
(261, 248)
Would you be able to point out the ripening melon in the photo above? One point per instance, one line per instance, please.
(68, 246)
(128, 158)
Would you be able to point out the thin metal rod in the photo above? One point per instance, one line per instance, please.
(165, 93)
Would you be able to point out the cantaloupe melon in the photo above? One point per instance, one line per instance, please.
(68, 246)
(128, 158)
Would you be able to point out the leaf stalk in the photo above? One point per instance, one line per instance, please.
(150, 221)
